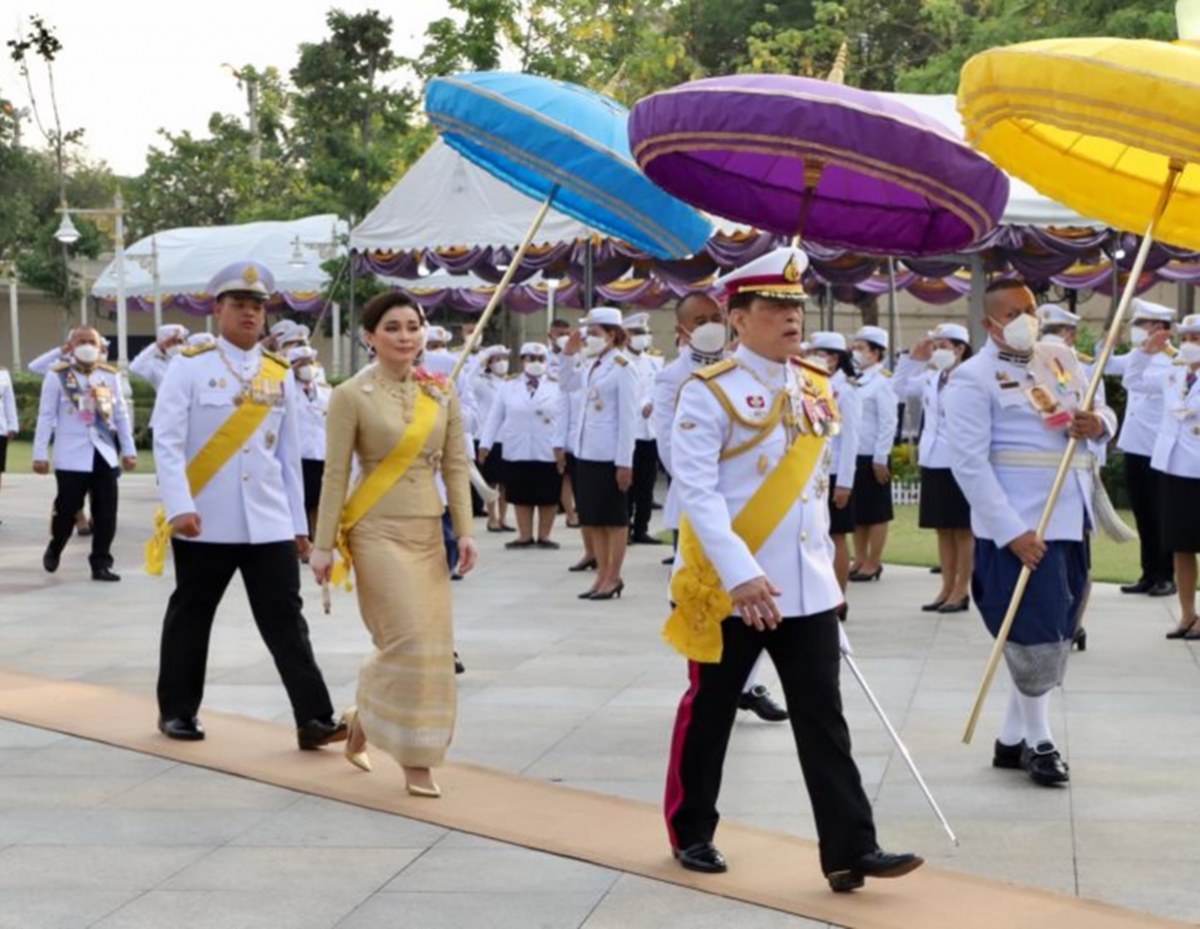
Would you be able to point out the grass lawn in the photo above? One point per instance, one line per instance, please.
(909, 545)
(20, 458)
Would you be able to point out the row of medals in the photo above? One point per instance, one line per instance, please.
(807, 411)
(260, 390)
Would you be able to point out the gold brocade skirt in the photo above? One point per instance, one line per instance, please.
(407, 696)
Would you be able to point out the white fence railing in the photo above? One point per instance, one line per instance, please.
(906, 493)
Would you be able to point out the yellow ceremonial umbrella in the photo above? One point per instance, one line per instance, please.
(1109, 127)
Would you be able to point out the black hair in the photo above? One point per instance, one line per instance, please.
(1004, 283)
(377, 307)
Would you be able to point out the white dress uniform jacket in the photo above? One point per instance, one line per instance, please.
(798, 556)
(1177, 444)
(645, 367)
(42, 364)
(312, 405)
(572, 363)
(484, 387)
(988, 412)
(1143, 401)
(877, 428)
(529, 427)
(915, 381)
(150, 364)
(8, 404)
(258, 496)
(609, 411)
(665, 397)
(844, 445)
(77, 436)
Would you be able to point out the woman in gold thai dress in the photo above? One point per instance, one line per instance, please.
(406, 689)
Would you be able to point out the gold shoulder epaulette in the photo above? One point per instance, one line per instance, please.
(886, 373)
(193, 350)
(655, 352)
(621, 360)
(1171, 351)
(105, 366)
(1084, 358)
(60, 366)
(278, 359)
(716, 370)
(811, 366)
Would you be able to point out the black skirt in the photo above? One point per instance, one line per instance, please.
(532, 483)
(841, 522)
(493, 467)
(313, 473)
(943, 505)
(872, 501)
(597, 498)
(1180, 506)
(3, 453)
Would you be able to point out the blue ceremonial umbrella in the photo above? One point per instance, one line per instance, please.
(559, 142)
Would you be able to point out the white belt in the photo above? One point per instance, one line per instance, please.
(1012, 458)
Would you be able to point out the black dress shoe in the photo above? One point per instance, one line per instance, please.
(104, 574)
(960, 607)
(1162, 589)
(317, 732)
(933, 607)
(459, 667)
(185, 729)
(703, 856)
(51, 558)
(643, 538)
(1079, 640)
(758, 701)
(1140, 587)
(1008, 756)
(1045, 765)
(879, 864)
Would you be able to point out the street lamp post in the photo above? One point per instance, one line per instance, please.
(325, 251)
(10, 268)
(69, 235)
(150, 263)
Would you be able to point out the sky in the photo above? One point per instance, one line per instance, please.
(130, 67)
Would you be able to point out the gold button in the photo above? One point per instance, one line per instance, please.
(804, 537)
(804, 498)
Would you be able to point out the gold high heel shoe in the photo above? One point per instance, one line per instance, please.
(359, 759)
(416, 790)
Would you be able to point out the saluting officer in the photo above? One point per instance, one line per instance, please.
(227, 449)
(750, 454)
(81, 407)
(150, 364)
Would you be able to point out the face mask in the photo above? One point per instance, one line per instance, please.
(1138, 336)
(942, 358)
(1053, 338)
(1190, 352)
(500, 368)
(594, 345)
(862, 360)
(1021, 333)
(561, 342)
(305, 373)
(639, 343)
(535, 368)
(709, 338)
(827, 362)
(173, 350)
(87, 354)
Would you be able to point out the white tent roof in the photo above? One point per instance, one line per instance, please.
(189, 257)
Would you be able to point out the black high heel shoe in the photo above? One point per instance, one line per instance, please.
(933, 607)
(873, 576)
(608, 595)
(960, 607)
(587, 594)
(1079, 640)
(588, 565)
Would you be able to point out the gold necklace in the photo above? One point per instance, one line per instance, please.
(245, 383)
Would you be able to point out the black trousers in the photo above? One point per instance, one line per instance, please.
(1145, 497)
(271, 575)
(73, 488)
(645, 475)
(806, 656)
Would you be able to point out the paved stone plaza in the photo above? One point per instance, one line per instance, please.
(577, 693)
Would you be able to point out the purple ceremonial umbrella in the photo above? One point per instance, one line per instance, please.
(835, 165)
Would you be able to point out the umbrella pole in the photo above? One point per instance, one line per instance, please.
(498, 293)
(1064, 464)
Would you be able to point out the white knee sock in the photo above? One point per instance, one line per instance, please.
(1035, 714)
(1013, 730)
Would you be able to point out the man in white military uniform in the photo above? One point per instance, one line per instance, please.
(1143, 417)
(42, 364)
(150, 364)
(227, 450)
(1010, 415)
(750, 456)
(82, 409)
(645, 450)
(701, 331)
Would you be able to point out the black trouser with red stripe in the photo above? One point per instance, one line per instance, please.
(806, 656)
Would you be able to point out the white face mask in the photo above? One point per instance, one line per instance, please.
(708, 338)
(828, 362)
(639, 343)
(1189, 352)
(594, 345)
(173, 350)
(1052, 338)
(500, 368)
(1138, 336)
(87, 354)
(561, 342)
(863, 360)
(305, 373)
(942, 358)
(1021, 333)
(535, 368)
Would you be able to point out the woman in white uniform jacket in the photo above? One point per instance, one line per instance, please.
(1177, 455)
(485, 382)
(872, 477)
(528, 421)
(922, 376)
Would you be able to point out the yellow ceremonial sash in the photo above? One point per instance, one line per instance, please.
(701, 603)
(373, 487)
(222, 445)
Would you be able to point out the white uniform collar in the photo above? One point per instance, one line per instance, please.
(867, 374)
(238, 354)
(770, 372)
